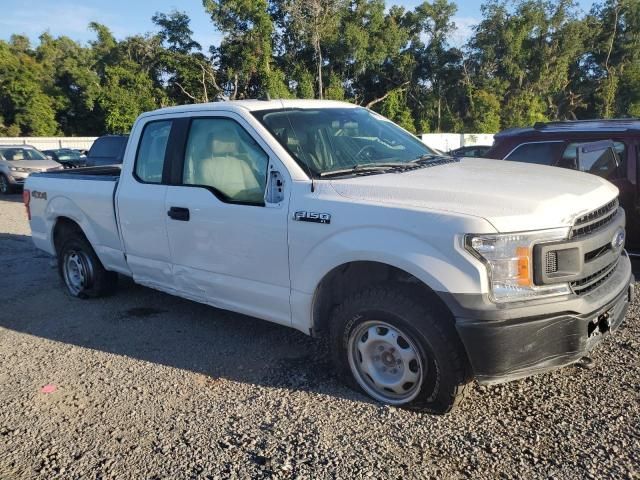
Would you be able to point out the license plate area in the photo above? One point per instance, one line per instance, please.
(599, 325)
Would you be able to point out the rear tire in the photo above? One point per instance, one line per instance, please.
(81, 270)
(5, 187)
(398, 350)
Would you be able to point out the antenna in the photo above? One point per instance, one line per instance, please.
(309, 171)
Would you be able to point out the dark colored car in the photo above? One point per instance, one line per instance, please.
(107, 150)
(556, 144)
(470, 151)
(67, 157)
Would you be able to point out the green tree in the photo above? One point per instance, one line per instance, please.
(245, 53)
(484, 112)
(126, 93)
(24, 105)
(190, 75)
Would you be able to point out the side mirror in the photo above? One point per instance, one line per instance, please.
(599, 158)
(275, 188)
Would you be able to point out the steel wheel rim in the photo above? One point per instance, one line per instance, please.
(77, 271)
(385, 362)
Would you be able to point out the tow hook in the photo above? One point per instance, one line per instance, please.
(600, 324)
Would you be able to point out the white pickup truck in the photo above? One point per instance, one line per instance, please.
(424, 271)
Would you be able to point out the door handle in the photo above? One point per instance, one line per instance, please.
(179, 213)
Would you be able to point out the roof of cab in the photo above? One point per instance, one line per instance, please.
(251, 105)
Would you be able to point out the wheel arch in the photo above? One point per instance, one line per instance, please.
(348, 278)
(62, 225)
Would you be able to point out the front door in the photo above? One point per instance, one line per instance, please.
(228, 245)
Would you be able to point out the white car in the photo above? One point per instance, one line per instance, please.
(17, 162)
(425, 271)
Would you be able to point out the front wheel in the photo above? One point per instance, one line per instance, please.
(399, 351)
(81, 269)
(5, 187)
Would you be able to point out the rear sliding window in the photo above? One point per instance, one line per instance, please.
(541, 153)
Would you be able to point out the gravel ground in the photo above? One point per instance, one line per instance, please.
(153, 386)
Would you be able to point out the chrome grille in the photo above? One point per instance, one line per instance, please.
(595, 219)
(587, 284)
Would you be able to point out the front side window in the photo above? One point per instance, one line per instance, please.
(150, 156)
(15, 154)
(540, 153)
(220, 154)
(326, 140)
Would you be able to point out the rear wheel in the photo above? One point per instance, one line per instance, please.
(5, 187)
(399, 351)
(81, 269)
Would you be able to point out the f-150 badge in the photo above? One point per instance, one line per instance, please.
(314, 217)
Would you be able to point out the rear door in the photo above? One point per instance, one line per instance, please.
(229, 245)
(141, 204)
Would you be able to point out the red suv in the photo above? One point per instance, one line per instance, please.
(557, 143)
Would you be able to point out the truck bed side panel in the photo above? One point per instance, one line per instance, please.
(88, 201)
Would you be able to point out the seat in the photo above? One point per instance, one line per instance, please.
(222, 167)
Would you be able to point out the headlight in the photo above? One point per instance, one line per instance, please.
(19, 169)
(509, 262)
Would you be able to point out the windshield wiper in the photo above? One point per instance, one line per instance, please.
(427, 157)
(364, 168)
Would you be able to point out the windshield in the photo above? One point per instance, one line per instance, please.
(19, 153)
(67, 155)
(327, 140)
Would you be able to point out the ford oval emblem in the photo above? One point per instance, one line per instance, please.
(618, 239)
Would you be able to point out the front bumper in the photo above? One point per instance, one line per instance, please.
(16, 178)
(505, 344)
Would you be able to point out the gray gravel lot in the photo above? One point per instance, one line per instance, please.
(153, 386)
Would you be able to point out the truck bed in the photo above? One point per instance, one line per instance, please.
(108, 173)
(84, 195)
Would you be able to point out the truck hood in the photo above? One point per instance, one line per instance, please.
(512, 196)
(41, 165)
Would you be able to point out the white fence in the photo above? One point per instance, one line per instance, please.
(449, 141)
(48, 143)
(440, 141)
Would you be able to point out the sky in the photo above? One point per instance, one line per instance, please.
(127, 17)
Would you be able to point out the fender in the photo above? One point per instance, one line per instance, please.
(418, 256)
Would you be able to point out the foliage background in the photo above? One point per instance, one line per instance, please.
(527, 61)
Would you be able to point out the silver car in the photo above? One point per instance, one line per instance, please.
(17, 162)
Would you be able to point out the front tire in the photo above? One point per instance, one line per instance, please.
(398, 350)
(81, 269)
(5, 186)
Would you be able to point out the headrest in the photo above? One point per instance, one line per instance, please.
(224, 147)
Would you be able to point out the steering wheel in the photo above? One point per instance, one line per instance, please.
(365, 149)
